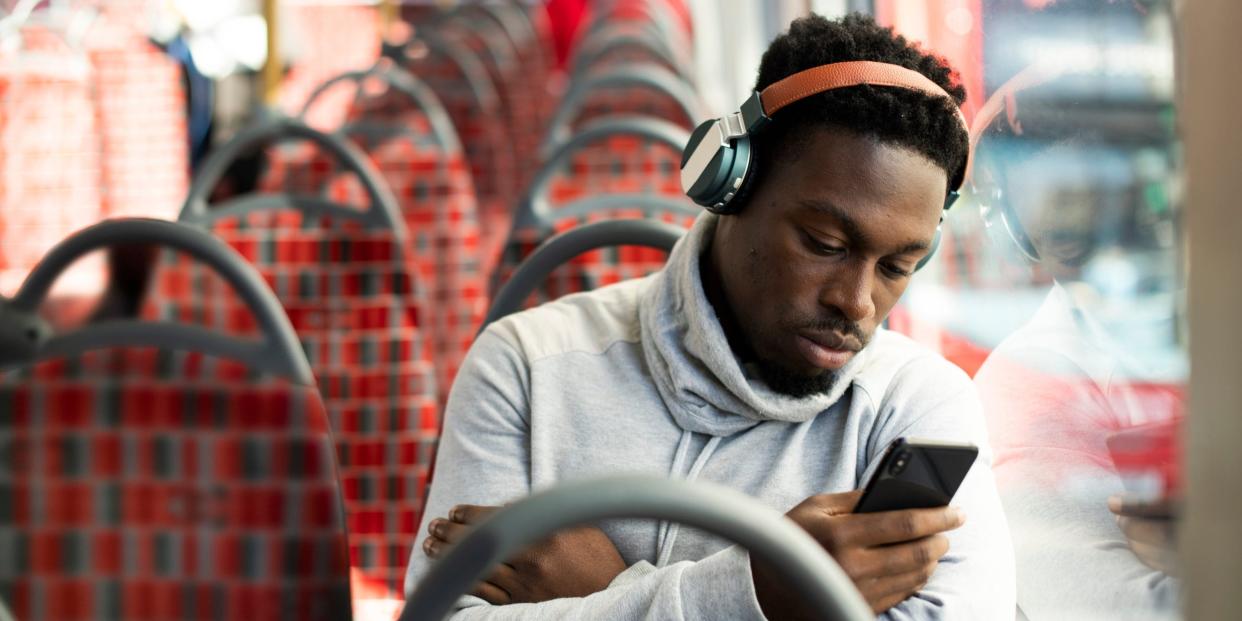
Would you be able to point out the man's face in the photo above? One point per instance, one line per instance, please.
(821, 254)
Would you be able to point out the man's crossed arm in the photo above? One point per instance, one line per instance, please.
(890, 556)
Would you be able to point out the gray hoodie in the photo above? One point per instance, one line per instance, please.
(639, 378)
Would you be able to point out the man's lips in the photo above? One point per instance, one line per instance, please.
(826, 351)
(833, 341)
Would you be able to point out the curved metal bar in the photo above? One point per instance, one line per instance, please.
(591, 54)
(383, 209)
(491, 33)
(714, 508)
(405, 83)
(663, 27)
(510, 17)
(313, 206)
(280, 351)
(535, 203)
(649, 204)
(561, 248)
(471, 66)
(648, 76)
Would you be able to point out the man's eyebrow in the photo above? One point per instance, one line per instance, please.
(851, 228)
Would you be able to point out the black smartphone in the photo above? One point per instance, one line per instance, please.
(917, 474)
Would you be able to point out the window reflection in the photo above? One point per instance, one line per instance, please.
(1072, 280)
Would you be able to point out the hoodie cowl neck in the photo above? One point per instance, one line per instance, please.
(700, 379)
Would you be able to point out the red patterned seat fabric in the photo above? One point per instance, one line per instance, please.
(434, 191)
(519, 102)
(140, 103)
(612, 165)
(618, 164)
(49, 164)
(480, 126)
(150, 485)
(356, 305)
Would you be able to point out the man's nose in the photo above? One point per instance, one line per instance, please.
(850, 291)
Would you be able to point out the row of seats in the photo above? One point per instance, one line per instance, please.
(617, 133)
(381, 241)
(167, 471)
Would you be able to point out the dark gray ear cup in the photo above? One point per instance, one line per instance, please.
(749, 182)
(717, 185)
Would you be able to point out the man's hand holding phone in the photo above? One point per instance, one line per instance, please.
(887, 537)
(889, 555)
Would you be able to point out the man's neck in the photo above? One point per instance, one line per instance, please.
(713, 287)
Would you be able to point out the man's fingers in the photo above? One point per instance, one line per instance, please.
(1131, 506)
(899, 559)
(821, 506)
(447, 531)
(433, 547)
(492, 594)
(889, 527)
(888, 591)
(505, 577)
(470, 514)
(1159, 558)
(1151, 532)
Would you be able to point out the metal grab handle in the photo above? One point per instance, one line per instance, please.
(383, 204)
(716, 509)
(279, 352)
(535, 205)
(565, 246)
(650, 76)
(405, 83)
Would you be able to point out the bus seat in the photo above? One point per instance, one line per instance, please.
(347, 283)
(162, 471)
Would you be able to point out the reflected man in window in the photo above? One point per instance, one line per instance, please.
(1083, 400)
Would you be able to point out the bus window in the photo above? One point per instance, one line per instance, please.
(1060, 288)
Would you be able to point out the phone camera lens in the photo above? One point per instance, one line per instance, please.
(899, 464)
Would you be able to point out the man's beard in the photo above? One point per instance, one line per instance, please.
(792, 384)
(800, 385)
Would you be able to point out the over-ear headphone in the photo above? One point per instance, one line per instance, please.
(717, 166)
(988, 184)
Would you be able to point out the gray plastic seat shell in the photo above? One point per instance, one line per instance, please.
(710, 507)
(565, 246)
(279, 353)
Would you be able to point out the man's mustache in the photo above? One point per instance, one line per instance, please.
(840, 325)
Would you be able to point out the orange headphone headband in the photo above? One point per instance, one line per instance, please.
(845, 74)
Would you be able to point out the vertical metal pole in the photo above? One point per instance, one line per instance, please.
(389, 14)
(273, 69)
(1211, 541)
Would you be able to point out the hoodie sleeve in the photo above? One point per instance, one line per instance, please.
(931, 399)
(483, 458)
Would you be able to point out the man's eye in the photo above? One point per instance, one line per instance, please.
(821, 248)
(895, 271)
(829, 251)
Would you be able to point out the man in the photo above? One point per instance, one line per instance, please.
(755, 359)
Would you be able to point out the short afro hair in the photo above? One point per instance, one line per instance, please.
(923, 123)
